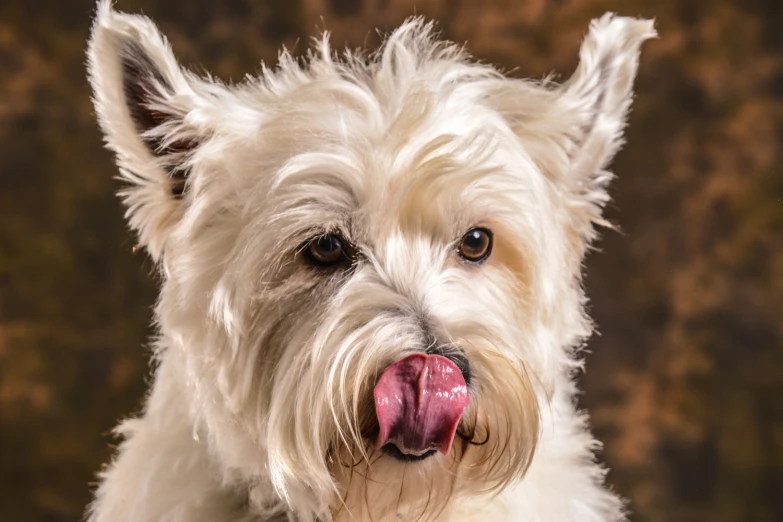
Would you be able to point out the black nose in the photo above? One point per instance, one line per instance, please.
(455, 356)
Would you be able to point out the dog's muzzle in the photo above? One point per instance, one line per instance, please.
(419, 401)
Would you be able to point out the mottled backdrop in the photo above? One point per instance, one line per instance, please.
(685, 382)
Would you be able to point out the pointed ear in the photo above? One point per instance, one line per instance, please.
(145, 104)
(572, 131)
(598, 97)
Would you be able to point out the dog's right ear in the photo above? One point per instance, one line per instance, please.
(154, 116)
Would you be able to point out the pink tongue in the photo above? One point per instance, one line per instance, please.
(419, 401)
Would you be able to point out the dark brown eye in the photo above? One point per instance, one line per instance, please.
(326, 250)
(476, 245)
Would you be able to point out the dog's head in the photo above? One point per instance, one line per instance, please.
(371, 263)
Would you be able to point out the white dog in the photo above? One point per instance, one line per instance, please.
(371, 303)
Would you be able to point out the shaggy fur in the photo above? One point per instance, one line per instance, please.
(261, 406)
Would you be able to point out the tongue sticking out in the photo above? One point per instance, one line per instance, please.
(419, 401)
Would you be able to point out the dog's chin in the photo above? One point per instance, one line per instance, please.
(393, 451)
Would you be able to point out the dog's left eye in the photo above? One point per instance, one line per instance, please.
(326, 250)
(476, 245)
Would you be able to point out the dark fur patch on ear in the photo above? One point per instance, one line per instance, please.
(142, 81)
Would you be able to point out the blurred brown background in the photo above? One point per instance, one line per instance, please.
(685, 382)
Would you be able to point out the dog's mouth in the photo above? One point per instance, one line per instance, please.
(395, 452)
(419, 402)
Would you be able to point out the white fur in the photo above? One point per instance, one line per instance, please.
(265, 366)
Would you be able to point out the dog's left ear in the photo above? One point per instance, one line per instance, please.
(574, 130)
(154, 115)
(598, 96)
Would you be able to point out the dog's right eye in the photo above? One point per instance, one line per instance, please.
(326, 250)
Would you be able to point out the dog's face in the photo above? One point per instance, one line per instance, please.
(371, 266)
